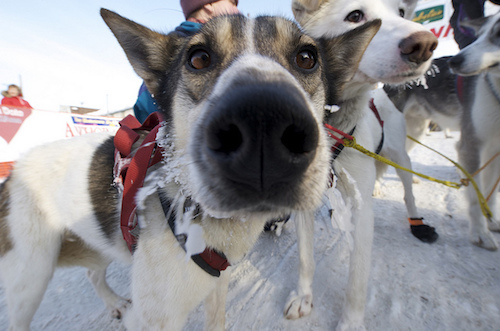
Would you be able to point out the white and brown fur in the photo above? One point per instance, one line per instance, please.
(399, 52)
(243, 138)
(480, 135)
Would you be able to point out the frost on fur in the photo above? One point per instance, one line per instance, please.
(175, 161)
(342, 209)
(422, 80)
(189, 234)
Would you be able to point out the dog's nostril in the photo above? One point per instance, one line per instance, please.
(225, 140)
(296, 140)
(418, 47)
(434, 46)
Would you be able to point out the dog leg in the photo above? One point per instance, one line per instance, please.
(406, 179)
(215, 304)
(416, 127)
(489, 177)
(359, 266)
(423, 232)
(381, 169)
(479, 233)
(166, 285)
(394, 149)
(299, 302)
(26, 282)
(447, 133)
(114, 303)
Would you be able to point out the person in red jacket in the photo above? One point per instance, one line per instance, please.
(14, 98)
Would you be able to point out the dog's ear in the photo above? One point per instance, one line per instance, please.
(303, 9)
(475, 24)
(150, 53)
(342, 55)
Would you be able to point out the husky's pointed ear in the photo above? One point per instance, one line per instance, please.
(150, 53)
(475, 24)
(342, 55)
(303, 9)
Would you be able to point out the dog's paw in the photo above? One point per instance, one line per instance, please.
(298, 306)
(377, 189)
(121, 309)
(348, 325)
(484, 239)
(424, 233)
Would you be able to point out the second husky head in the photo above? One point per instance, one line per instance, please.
(401, 51)
(244, 102)
(484, 53)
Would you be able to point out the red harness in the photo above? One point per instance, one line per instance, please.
(339, 144)
(459, 87)
(131, 169)
(130, 172)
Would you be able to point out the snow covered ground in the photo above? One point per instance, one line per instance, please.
(448, 285)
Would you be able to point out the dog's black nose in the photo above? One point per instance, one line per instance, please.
(418, 47)
(260, 137)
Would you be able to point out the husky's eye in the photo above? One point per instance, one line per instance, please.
(199, 59)
(355, 16)
(305, 59)
(402, 12)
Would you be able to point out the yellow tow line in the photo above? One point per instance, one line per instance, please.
(348, 142)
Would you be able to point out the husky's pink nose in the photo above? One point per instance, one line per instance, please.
(418, 47)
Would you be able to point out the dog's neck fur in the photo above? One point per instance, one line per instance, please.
(354, 99)
(233, 237)
(493, 83)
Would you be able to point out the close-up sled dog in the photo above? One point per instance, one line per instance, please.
(242, 142)
(401, 51)
(480, 135)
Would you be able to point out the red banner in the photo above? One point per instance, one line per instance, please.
(23, 129)
(11, 120)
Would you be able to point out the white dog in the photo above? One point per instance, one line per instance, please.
(399, 52)
(243, 142)
(480, 140)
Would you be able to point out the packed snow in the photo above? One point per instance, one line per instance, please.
(448, 285)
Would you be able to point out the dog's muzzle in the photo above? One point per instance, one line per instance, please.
(258, 140)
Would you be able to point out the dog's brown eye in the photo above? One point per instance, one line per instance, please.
(199, 59)
(355, 16)
(305, 60)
